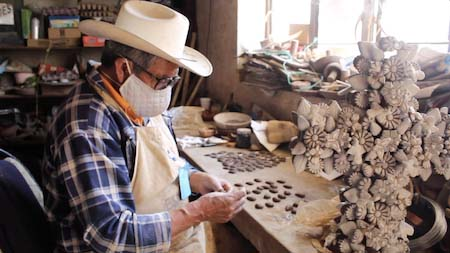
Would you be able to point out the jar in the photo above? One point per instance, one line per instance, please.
(243, 137)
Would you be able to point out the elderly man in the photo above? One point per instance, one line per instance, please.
(112, 175)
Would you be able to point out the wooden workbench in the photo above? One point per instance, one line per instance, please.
(270, 229)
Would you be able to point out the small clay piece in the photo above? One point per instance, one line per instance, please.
(295, 205)
(287, 186)
(257, 180)
(266, 196)
(250, 198)
(276, 200)
(241, 170)
(269, 182)
(294, 211)
(281, 181)
(269, 205)
(265, 187)
(273, 190)
(256, 191)
(248, 192)
(258, 206)
(238, 185)
(288, 208)
(287, 193)
(274, 186)
(249, 183)
(300, 195)
(231, 171)
(259, 188)
(281, 196)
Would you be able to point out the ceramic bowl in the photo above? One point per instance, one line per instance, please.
(232, 120)
(21, 77)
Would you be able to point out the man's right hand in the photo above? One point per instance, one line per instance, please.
(215, 207)
(219, 206)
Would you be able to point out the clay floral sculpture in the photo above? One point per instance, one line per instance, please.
(378, 142)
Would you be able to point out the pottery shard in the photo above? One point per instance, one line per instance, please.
(250, 198)
(300, 195)
(269, 205)
(258, 206)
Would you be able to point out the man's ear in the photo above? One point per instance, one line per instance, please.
(122, 70)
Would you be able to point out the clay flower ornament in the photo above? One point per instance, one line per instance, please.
(393, 69)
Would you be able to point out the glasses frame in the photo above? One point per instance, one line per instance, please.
(161, 83)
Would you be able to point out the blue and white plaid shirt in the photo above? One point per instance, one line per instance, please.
(86, 178)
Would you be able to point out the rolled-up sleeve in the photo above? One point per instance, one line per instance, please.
(98, 185)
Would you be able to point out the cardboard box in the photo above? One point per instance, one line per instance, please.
(65, 42)
(63, 33)
(92, 41)
(303, 38)
(41, 43)
(64, 21)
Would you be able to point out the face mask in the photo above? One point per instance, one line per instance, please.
(146, 101)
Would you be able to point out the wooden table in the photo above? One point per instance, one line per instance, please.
(270, 229)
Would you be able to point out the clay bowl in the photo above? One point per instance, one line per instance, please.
(232, 120)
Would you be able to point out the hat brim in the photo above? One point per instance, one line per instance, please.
(191, 59)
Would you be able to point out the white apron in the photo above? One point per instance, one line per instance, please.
(155, 183)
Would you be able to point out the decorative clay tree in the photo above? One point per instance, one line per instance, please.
(378, 141)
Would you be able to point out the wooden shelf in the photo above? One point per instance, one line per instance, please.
(14, 96)
(21, 47)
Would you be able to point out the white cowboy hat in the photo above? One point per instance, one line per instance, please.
(152, 28)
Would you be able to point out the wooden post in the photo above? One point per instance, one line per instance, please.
(178, 89)
(194, 92)
(185, 87)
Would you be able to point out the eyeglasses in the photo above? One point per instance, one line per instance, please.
(161, 83)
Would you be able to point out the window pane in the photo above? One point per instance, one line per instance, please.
(337, 21)
(251, 25)
(287, 12)
(417, 21)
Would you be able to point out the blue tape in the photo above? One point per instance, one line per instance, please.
(185, 186)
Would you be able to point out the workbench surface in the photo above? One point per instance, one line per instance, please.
(269, 229)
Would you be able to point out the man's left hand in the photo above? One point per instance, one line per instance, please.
(204, 183)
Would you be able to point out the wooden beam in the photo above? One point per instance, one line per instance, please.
(314, 21)
(268, 19)
(368, 20)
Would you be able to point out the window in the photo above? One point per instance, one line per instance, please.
(420, 21)
(341, 23)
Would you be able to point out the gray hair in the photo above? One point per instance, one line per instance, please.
(114, 50)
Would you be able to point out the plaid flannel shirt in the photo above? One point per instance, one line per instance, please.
(86, 178)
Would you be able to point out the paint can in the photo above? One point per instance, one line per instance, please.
(243, 137)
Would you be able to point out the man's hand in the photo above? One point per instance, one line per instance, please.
(218, 206)
(215, 207)
(204, 183)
